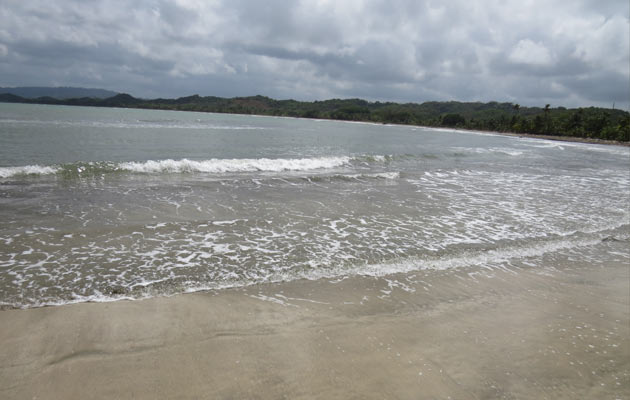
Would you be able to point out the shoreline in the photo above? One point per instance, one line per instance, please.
(560, 332)
(513, 134)
(570, 139)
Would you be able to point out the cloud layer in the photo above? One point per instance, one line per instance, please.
(569, 52)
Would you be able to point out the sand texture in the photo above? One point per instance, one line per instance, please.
(523, 334)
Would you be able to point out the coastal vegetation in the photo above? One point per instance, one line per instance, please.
(584, 123)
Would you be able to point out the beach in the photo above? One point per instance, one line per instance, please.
(163, 255)
(570, 139)
(507, 334)
(412, 200)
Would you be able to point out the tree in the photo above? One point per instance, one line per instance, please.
(574, 125)
(517, 108)
(453, 120)
(547, 119)
(539, 124)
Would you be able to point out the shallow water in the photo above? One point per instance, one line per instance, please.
(100, 204)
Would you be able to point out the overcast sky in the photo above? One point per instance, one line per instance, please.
(562, 52)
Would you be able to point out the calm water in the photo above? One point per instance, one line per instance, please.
(99, 204)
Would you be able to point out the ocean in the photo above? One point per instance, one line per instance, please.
(101, 204)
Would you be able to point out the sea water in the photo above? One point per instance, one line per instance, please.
(100, 204)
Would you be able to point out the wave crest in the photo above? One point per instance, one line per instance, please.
(235, 165)
(7, 172)
(215, 165)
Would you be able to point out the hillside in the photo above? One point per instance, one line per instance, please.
(586, 123)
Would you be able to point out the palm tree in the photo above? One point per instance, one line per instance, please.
(514, 125)
(516, 107)
(547, 119)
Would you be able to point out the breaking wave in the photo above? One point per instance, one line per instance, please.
(86, 169)
(7, 172)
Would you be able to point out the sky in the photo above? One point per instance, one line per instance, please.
(568, 53)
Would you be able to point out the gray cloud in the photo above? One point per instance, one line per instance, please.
(571, 53)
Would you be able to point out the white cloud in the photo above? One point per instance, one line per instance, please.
(403, 50)
(528, 52)
(605, 43)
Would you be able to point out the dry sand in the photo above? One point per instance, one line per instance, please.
(522, 334)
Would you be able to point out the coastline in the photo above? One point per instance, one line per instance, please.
(498, 273)
(571, 139)
(565, 139)
(514, 134)
(511, 134)
(526, 333)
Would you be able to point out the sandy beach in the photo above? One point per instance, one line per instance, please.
(508, 334)
(566, 138)
(342, 261)
(310, 200)
(556, 138)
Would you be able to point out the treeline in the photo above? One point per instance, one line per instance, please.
(591, 122)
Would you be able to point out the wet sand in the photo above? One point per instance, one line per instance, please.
(528, 333)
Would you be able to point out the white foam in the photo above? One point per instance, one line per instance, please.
(7, 172)
(378, 175)
(235, 165)
(560, 145)
(500, 150)
(386, 175)
(187, 166)
(480, 259)
(493, 259)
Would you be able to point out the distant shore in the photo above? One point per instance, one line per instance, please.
(566, 139)
(601, 124)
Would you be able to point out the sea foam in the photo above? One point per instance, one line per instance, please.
(214, 165)
(7, 172)
(235, 165)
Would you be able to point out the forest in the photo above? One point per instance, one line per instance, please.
(588, 122)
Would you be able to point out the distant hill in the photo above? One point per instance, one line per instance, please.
(583, 123)
(61, 93)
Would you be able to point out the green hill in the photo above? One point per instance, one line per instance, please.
(590, 122)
